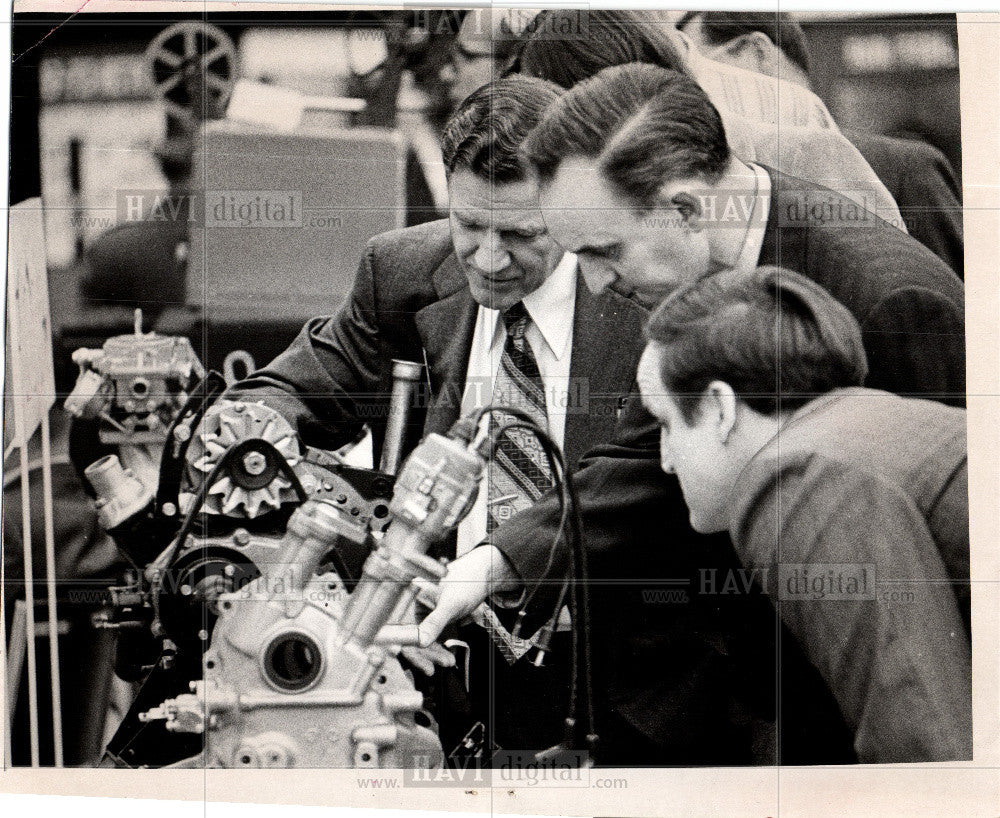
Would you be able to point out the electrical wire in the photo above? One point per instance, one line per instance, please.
(581, 662)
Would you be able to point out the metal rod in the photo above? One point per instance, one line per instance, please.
(50, 582)
(405, 377)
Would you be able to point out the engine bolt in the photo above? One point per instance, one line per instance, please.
(229, 570)
(182, 433)
(185, 590)
(239, 408)
(241, 536)
(341, 498)
(169, 510)
(203, 635)
(254, 463)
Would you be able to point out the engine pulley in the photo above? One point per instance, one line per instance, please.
(252, 482)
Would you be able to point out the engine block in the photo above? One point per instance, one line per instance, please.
(284, 686)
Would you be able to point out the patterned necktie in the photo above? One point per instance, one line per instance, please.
(519, 473)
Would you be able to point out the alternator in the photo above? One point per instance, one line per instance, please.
(253, 482)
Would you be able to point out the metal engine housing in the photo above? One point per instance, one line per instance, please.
(284, 687)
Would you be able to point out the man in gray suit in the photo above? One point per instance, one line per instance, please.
(443, 297)
(851, 505)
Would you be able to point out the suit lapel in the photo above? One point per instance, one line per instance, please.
(607, 337)
(785, 237)
(607, 332)
(446, 328)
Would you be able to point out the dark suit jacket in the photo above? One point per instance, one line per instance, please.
(666, 666)
(922, 182)
(411, 301)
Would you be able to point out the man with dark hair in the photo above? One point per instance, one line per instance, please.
(638, 180)
(486, 44)
(851, 504)
(497, 312)
(660, 200)
(771, 43)
(610, 37)
(918, 175)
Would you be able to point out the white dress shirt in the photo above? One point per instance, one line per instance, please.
(550, 334)
(749, 256)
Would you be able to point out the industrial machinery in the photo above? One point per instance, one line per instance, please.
(135, 384)
(259, 638)
(247, 526)
(302, 673)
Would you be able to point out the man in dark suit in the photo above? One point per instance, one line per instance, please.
(443, 297)
(918, 175)
(643, 156)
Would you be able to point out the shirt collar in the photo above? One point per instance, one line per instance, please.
(749, 256)
(550, 308)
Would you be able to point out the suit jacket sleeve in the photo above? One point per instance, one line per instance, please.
(896, 657)
(327, 381)
(616, 483)
(929, 200)
(919, 335)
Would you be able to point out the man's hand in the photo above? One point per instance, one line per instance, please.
(469, 581)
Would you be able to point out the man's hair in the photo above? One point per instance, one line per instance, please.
(643, 125)
(777, 338)
(721, 27)
(497, 33)
(611, 37)
(487, 133)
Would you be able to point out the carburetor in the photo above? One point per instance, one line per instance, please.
(135, 384)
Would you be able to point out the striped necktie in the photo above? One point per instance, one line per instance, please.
(519, 473)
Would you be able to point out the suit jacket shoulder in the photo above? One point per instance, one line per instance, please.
(910, 305)
(423, 245)
(412, 267)
(915, 444)
(922, 181)
(817, 228)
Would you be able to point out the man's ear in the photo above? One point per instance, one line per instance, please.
(719, 400)
(753, 50)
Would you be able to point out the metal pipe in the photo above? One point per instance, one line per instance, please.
(405, 377)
